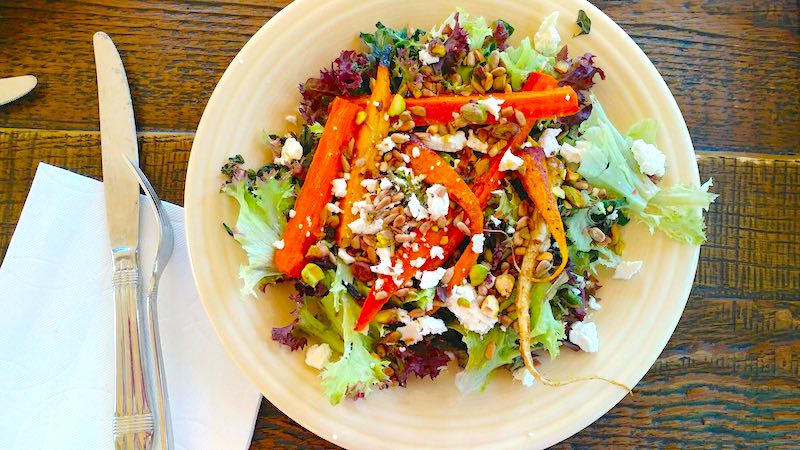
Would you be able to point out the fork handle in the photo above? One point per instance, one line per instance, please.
(155, 368)
(133, 421)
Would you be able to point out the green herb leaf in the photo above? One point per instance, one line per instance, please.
(584, 23)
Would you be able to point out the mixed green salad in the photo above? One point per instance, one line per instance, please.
(446, 199)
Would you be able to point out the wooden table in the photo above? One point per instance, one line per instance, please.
(730, 375)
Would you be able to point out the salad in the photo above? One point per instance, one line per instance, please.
(445, 198)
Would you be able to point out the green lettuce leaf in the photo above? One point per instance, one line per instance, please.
(476, 28)
(609, 163)
(357, 371)
(423, 298)
(645, 130)
(576, 225)
(479, 370)
(260, 223)
(521, 60)
(546, 330)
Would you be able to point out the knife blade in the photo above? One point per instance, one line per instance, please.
(15, 87)
(132, 425)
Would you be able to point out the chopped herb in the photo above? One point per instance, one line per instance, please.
(584, 23)
(228, 229)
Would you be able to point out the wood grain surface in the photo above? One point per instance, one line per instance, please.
(730, 375)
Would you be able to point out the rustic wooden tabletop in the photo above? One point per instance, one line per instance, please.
(730, 375)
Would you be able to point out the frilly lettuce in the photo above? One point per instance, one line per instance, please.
(479, 369)
(521, 60)
(357, 371)
(609, 163)
(261, 222)
(476, 28)
(545, 328)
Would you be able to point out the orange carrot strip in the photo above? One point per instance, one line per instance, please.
(536, 183)
(306, 227)
(556, 102)
(538, 81)
(438, 171)
(374, 129)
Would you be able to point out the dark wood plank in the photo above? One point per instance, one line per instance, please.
(733, 66)
(730, 375)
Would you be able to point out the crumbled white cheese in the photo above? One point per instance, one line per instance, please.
(345, 257)
(584, 335)
(574, 154)
(476, 144)
(415, 152)
(418, 262)
(386, 145)
(510, 161)
(292, 213)
(333, 207)
(426, 58)
(523, 375)
(548, 141)
(477, 242)
(291, 151)
(547, 40)
(495, 221)
(292, 119)
(431, 278)
(318, 355)
(414, 330)
(449, 143)
(416, 209)
(436, 252)
(384, 267)
(278, 244)
(363, 226)
(370, 184)
(339, 187)
(385, 184)
(492, 106)
(651, 160)
(593, 303)
(469, 315)
(438, 201)
(627, 269)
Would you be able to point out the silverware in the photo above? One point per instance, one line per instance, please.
(133, 423)
(163, 253)
(15, 87)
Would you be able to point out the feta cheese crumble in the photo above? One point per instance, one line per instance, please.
(510, 161)
(477, 242)
(426, 58)
(651, 161)
(548, 141)
(449, 143)
(371, 185)
(574, 154)
(431, 278)
(339, 187)
(414, 330)
(291, 151)
(416, 209)
(363, 226)
(438, 201)
(385, 184)
(547, 40)
(345, 257)
(584, 335)
(463, 303)
(437, 252)
(476, 144)
(418, 262)
(278, 244)
(524, 376)
(386, 145)
(627, 269)
(318, 355)
(333, 207)
(492, 106)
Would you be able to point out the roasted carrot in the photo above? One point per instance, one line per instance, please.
(538, 81)
(556, 102)
(374, 129)
(537, 185)
(306, 227)
(425, 161)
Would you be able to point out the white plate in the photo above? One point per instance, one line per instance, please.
(259, 89)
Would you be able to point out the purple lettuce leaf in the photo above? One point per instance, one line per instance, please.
(421, 359)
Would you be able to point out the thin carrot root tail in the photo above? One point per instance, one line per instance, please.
(557, 383)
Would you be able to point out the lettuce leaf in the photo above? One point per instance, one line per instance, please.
(261, 222)
(521, 60)
(476, 28)
(357, 371)
(609, 163)
(546, 330)
(479, 369)
(645, 130)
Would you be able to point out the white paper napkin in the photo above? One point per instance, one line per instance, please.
(56, 331)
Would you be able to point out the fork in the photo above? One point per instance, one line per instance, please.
(154, 366)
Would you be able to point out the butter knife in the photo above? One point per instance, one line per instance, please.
(135, 423)
(15, 87)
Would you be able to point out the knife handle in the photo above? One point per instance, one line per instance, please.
(133, 419)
